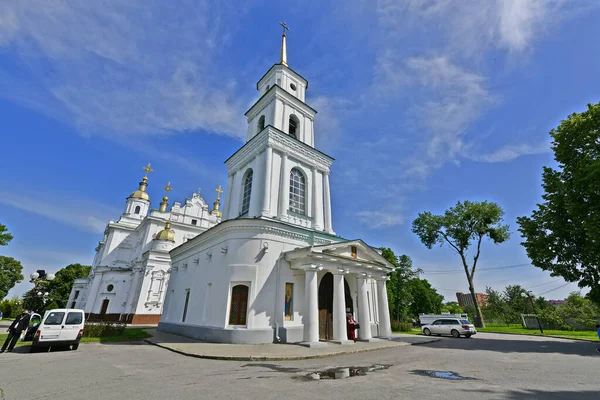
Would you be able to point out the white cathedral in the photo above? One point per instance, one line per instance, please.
(131, 268)
(273, 269)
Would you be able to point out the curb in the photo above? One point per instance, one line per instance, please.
(542, 336)
(276, 358)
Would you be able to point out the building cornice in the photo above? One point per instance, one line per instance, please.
(280, 93)
(258, 225)
(298, 76)
(278, 140)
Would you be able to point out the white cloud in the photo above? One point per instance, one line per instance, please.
(472, 26)
(92, 218)
(123, 67)
(380, 219)
(510, 152)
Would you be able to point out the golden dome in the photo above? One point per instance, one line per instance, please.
(141, 192)
(166, 234)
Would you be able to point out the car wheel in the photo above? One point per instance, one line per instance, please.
(75, 346)
(455, 333)
(426, 332)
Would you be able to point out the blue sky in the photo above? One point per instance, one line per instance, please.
(421, 103)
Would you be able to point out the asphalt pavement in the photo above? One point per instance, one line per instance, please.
(495, 367)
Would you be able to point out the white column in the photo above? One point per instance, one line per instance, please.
(340, 332)
(363, 303)
(93, 293)
(317, 201)
(130, 306)
(327, 197)
(228, 194)
(311, 310)
(71, 295)
(267, 192)
(283, 188)
(385, 328)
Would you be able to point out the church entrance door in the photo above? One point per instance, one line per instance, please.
(326, 306)
(104, 308)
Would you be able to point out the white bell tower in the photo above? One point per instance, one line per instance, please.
(278, 174)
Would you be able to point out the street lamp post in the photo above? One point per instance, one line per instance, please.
(530, 295)
(39, 278)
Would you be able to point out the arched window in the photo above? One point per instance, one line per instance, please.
(247, 192)
(294, 124)
(297, 191)
(137, 210)
(239, 305)
(261, 123)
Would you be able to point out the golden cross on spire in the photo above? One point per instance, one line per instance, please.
(219, 191)
(147, 169)
(167, 188)
(285, 27)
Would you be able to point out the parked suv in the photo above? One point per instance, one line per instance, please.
(450, 326)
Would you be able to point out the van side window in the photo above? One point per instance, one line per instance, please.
(74, 318)
(438, 322)
(54, 318)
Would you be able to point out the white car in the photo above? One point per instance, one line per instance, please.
(450, 326)
(59, 327)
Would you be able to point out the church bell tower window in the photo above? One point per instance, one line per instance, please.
(297, 192)
(247, 193)
(261, 123)
(294, 122)
(137, 210)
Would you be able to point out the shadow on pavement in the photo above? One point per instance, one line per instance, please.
(538, 394)
(510, 344)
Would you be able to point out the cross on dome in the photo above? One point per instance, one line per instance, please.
(147, 169)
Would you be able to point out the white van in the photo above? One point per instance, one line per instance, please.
(59, 327)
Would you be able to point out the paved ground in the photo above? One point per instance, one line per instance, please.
(272, 352)
(502, 367)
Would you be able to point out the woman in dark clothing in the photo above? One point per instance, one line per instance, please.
(351, 325)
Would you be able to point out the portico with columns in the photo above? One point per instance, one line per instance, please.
(355, 266)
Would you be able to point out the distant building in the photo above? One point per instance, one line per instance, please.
(465, 299)
(557, 302)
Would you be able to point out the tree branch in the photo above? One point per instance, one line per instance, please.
(477, 255)
(449, 242)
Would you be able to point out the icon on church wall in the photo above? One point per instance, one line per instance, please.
(289, 301)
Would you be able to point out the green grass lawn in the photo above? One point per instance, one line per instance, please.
(129, 334)
(515, 328)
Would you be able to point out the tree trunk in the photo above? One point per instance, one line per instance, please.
(481, 322)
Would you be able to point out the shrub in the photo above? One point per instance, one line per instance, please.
(400, 326)
(103, 329)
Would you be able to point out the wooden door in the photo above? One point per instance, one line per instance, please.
(104, 307)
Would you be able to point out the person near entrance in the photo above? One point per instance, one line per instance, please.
(351, 325)
(14, 331)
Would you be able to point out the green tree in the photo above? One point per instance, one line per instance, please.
(60, 287)
(5, 237)
(425, 299)
(10, 274)
(11, 307)
(561, 235)
(462, 225)
(452, 307)
(497, 309)
(399, 297)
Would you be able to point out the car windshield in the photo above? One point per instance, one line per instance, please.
(465, 322)
(54, 318)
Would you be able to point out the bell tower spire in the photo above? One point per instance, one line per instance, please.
(283, 58)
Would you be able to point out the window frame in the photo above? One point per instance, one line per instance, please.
(299, 198)
(296, 121)
(261, 123)
(137, 210)
(241, 300)
(246, 187)
(57, 313)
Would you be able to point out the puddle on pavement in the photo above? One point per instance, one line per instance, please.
(448, 375)
(344, 372)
